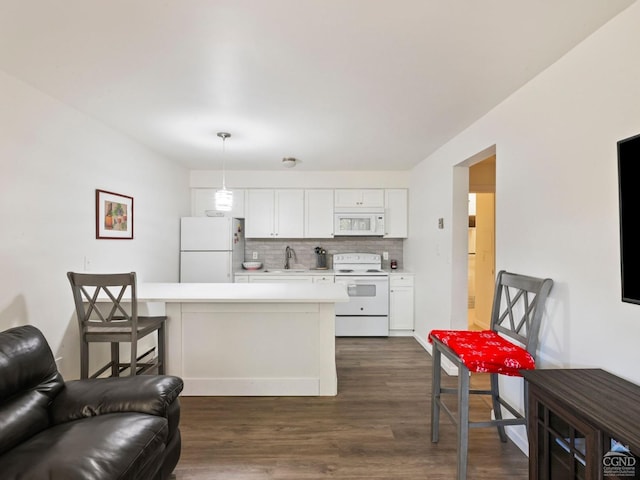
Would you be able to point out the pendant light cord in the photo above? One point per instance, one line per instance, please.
(224, 184)
(224, 136)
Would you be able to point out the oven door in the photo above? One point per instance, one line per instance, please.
(368, 295)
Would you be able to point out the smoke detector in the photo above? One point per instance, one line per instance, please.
(289, 162)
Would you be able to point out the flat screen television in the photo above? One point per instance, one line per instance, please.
(629, 198)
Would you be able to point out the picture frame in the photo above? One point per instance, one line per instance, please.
(114, 216)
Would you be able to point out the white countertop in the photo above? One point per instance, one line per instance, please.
(282, 271)
(242, 292)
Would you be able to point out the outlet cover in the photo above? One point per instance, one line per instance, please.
(255, 256)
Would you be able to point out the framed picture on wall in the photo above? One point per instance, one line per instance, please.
(114, 215)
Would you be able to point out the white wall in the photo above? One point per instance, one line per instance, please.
(52, 160)
(556, 203)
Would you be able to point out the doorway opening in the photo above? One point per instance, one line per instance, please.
(481, 243)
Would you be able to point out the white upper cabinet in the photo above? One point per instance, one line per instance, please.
(299, 213)
(289, 221)
(359, 198)
(396, 218)
(318, 214)
(274, 213)
(203, 203)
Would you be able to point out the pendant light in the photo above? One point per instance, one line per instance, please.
(224, 197)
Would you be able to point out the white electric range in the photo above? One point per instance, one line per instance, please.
(366, 314)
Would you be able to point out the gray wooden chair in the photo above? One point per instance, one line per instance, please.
(507, 348)
(107, 311)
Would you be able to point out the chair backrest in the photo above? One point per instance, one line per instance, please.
(518, 304)
(99, 299)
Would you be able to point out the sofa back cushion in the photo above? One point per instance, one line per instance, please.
(29, 380)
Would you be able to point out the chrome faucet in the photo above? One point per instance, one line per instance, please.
(288, 255)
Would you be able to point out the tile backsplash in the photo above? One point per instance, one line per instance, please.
(271, 252)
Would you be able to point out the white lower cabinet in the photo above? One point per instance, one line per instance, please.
(401, 302)
(283, 278)
(280, 279)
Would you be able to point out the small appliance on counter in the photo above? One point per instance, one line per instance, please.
(321, 258)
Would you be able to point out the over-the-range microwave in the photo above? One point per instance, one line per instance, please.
(358, 224)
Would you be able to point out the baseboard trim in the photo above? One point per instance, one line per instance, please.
(247, 387)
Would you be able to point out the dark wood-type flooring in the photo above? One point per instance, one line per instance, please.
(377, 427)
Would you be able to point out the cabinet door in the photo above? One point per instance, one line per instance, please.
(396, 219)
(372, 198)
(289, 219)
(564, 447)
(260, 213)
(401, 308)
(318, 218)
(359, 198)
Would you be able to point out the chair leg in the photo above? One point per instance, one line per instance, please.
(133, 364)
(463, 420)
(435, 393)
(161, 351)
(84, 358)
(497, 408)
(115, 359)
(525, 387)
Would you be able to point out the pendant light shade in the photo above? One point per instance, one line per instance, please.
(224, 197)
(224, 200)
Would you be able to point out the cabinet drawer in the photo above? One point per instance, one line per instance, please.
(400, 280)
(323, 279)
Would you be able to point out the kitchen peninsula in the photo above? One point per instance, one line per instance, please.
(249, 339)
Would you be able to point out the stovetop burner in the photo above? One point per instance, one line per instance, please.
(358, 264)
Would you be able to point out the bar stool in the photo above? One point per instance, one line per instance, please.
(516, 315)
(107, 311)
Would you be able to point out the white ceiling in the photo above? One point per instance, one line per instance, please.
(338, 84)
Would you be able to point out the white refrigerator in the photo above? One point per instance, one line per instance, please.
(211, 249)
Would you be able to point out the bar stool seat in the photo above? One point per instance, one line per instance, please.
(485, 351)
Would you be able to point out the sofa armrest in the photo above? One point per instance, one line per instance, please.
(151, 394)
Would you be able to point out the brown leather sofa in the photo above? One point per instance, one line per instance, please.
(112, 428)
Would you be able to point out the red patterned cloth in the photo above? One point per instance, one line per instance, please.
(485, 351)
